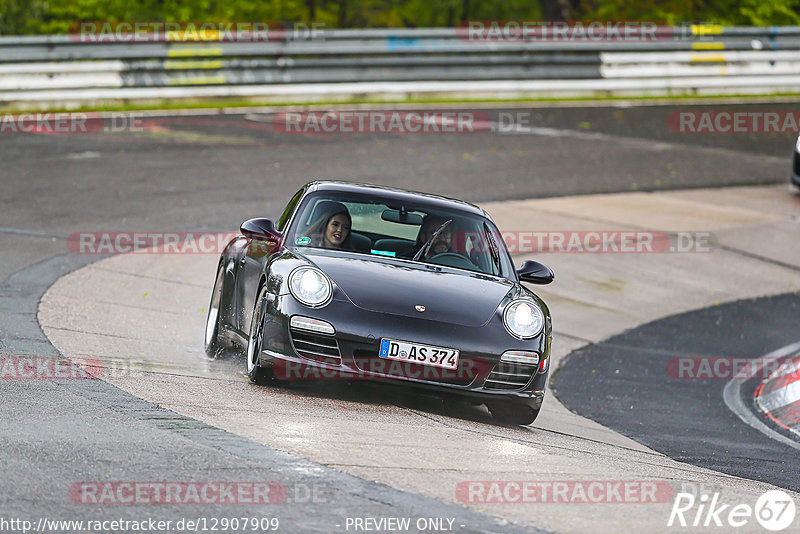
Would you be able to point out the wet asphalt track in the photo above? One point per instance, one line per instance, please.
(631, 383)
(199, 173)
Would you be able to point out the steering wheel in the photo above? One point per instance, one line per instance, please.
(453, 259)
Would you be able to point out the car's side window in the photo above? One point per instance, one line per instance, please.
(287, 213)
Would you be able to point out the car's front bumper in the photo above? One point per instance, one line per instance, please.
(357, 339)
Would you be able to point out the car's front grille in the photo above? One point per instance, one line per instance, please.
(510, 376)
(315, 347)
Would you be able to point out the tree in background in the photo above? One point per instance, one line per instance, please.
(726, 12)
(57, 16)
(20, 17)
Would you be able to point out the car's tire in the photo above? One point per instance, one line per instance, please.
(513, 413)
(255, 340)
(213, 345)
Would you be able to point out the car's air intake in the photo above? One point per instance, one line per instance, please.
(316, 347)
(509, 376)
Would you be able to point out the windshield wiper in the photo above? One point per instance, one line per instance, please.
(424, 250)
(494, 250)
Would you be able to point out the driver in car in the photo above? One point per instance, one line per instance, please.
(443, 242)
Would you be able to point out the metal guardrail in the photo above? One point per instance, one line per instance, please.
(428, 60)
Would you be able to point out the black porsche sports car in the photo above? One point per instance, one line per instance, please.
(358, 281)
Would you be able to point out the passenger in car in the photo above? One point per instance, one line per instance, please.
(332, 227)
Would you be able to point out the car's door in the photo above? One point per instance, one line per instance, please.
(251, 265)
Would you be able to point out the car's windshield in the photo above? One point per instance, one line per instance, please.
(379, 227)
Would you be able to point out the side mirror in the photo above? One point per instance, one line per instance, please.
(535, 273)
(261, 229)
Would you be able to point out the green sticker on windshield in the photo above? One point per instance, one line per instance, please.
(302, 241)
(383, 252)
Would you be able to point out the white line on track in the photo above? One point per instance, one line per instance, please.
(733, 399)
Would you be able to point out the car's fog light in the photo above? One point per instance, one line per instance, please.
(312, 325)
(520, 356)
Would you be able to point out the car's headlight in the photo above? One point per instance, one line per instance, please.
(797, 145)
(523, 318)
(310, 286)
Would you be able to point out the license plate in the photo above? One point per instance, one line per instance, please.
(417, 353)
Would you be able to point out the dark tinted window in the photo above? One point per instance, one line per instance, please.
(372, 226)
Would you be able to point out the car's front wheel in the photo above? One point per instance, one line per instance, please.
(213, 345)
(514, 413)
(255, 341)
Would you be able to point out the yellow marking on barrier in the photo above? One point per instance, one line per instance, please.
(192, 34)
(710, 58)
(194, 52)
(186, 65)
(708, 46)
(706, 29)
(199, 80)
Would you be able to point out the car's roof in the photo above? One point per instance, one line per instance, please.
(391, 193)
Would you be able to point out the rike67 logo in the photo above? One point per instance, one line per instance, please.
(774, 511)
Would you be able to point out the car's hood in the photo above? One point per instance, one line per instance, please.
(390, 286)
